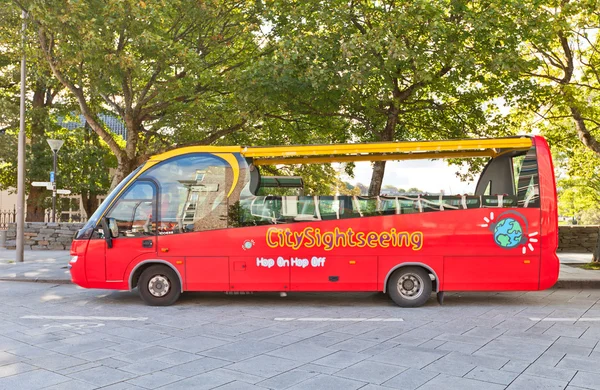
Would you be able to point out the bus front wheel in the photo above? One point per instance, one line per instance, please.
(159, 286)
(410, 287)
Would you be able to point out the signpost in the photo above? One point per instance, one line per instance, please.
(51, 186)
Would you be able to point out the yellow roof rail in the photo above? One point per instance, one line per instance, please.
(408, 150)
(376, 151)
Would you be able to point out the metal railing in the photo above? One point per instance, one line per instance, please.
(10, 216)
(6, 217)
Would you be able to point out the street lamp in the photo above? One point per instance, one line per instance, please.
(55, 145)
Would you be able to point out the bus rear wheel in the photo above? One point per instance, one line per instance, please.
(159, 285)
(410, 287)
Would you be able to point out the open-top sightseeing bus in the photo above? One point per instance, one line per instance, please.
(192, 219)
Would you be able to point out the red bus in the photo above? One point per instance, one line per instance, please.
(193, 219)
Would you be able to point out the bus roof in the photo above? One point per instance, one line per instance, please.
(376, 151)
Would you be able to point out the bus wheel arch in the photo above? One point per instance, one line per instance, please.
(137, 271)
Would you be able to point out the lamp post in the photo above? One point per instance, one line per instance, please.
(21, 155)
(55, 145)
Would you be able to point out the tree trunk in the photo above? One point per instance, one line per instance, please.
(377, 178)
(90, 202)
(386, 136)
(35, 204)
(124, 168)
(35, 199)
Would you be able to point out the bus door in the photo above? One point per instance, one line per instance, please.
(132, 224)
(195, 193)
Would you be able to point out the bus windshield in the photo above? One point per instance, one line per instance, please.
(87, 229)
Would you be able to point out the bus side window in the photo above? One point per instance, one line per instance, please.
(526, 180)
(133, 212)
(196, 192)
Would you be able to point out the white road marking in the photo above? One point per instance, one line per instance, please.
(550, 319)
(322, 319)
(84, 318)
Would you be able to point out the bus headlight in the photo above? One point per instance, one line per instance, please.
(73, 259)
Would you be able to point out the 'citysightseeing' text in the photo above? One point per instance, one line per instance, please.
(311, 237)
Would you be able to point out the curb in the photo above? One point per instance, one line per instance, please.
(30, 280)
(577, 284)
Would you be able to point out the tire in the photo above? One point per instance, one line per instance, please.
(410, 287)
(159, 285)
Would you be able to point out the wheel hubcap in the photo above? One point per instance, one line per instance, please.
(410, 286)
(159, 286)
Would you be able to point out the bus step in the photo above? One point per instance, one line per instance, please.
(239, 292)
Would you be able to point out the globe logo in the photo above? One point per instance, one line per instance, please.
(508, 233)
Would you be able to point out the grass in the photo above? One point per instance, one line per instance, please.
(593, 266)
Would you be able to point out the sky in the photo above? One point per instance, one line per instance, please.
(431, 176)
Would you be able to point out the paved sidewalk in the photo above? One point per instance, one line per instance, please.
(39, 266)
(52, 267)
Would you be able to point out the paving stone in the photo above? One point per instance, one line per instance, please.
(154, 380)
(410, 379)
(196, 367)
(304, 353)
(528, 382)
(525, 351)
(236, 385)
(586, 380)
(449, 366)
(493, 376)
(102, 376)
(454, 383)
(73, 385)
(264, 365)
(578, 363)
(35, 379)
(239, 376)
(341, 359)
(77, 368)
(326, 382)
(15, 368)
(178, 357)
(287, 379)
(145, 367)
(409, 356)
(478, 360)
(144, 354)
(318, 369)
(371, 372)
(196, 344)
(354, 345)
(205, 381)
(517, 366)
(458, 347)
(9, 358)
(560, 374)
(240, 350)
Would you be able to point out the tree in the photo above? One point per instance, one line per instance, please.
(168, 69)
(566, 51)
(83, 167)
(394, 70)
(42, 99)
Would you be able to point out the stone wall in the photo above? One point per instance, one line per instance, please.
(44, 235)
(577, 238)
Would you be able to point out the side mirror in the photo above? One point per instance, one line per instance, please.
(107, 233)
(113, 227)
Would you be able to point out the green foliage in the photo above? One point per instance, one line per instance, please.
(83, 162)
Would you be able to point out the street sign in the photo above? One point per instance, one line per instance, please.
(52, 177)
(63, 192)
(41, 184)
